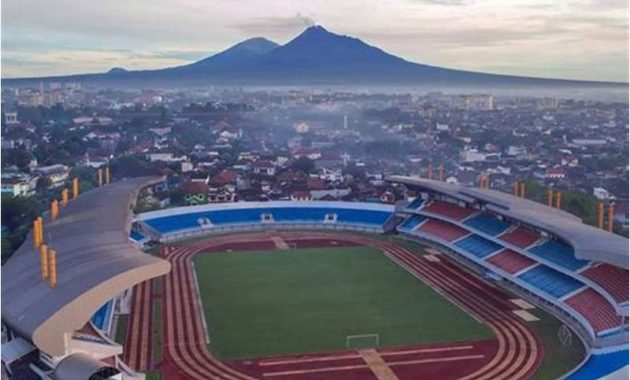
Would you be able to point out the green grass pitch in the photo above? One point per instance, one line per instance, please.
(308, 300)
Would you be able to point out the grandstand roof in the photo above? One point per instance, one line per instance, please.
(95, 262)
(589, 243)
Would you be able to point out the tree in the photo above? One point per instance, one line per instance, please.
(43, 184)
(19, 157)
(304, 164)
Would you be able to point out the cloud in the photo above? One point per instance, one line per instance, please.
(276, 25)
(447, 2)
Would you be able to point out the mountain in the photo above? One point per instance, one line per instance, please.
(239, 53)
(315, 57)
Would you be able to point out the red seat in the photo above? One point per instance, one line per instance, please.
(594, 307)
(614, 280)
(449, 210)
(511, 261)
(520, 237)
(443, 230)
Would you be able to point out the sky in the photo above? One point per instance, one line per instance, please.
(577, 39)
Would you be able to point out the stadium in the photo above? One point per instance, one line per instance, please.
(452, 283)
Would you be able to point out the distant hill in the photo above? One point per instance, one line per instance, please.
(315, 57)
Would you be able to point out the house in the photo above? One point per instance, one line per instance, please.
(387, 197)
(18, 184)
(602, 194)
(264, 168)
(331, 175)
(314, 183)
(223, 195)
(195, 193)
(328, 193)
(226, 177)
(555, 173)
(58, 174)
(622, 213)
(301, 195)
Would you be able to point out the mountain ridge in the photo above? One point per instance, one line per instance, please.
(315, 56)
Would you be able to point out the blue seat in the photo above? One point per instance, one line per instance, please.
(280, 214)
(136, 235)
(559, 254)
(488, 224)
(413, 222)
(373, 217)
(599, 365)
(550, 281)
(102, 317)
(415, 204)
(478, 246)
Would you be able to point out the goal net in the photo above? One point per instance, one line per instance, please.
(357, 342)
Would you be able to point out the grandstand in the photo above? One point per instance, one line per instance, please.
(96, 263)
(176, 223)
(548, 257)
(575, 271)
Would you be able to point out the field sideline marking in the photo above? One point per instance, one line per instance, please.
(198, 294)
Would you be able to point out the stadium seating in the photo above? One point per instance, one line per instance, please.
(102, 317)
(559, 254)
(478, 246)
(413, 222)
(136, 236)
(550, 281)
(449, 210)
(360, 216)
(599, 365)
(520, 237)
(415, 204)
(614, 280)
(510, 261)
(443, 230)
(488, 224)
(245, 216)
(594, 307)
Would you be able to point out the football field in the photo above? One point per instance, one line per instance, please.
(310, 300)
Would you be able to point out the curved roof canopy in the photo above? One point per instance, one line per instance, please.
(95, 262)
(589, 243)
(82, 366)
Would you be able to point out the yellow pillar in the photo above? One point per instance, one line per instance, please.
(441, 172)
(54, 209)
(36, 241)
(40, 223)
(559, 199)
(43, 254)
(515, 188)
(522, 188)
(430, 170)
(64, 197)
(600, 215)
(550, 197)
(482, 179)
(107, 175)
(100, 177)
(611, 216)
(52, 271)
(75, 188)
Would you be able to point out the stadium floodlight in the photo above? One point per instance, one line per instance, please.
(362, 341)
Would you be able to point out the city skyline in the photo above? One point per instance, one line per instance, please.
(574, 40)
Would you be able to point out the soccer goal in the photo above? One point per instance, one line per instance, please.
(357, 342)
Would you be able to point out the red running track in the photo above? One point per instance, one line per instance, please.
(515, 353)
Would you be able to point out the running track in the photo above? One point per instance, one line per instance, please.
(515, 353)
